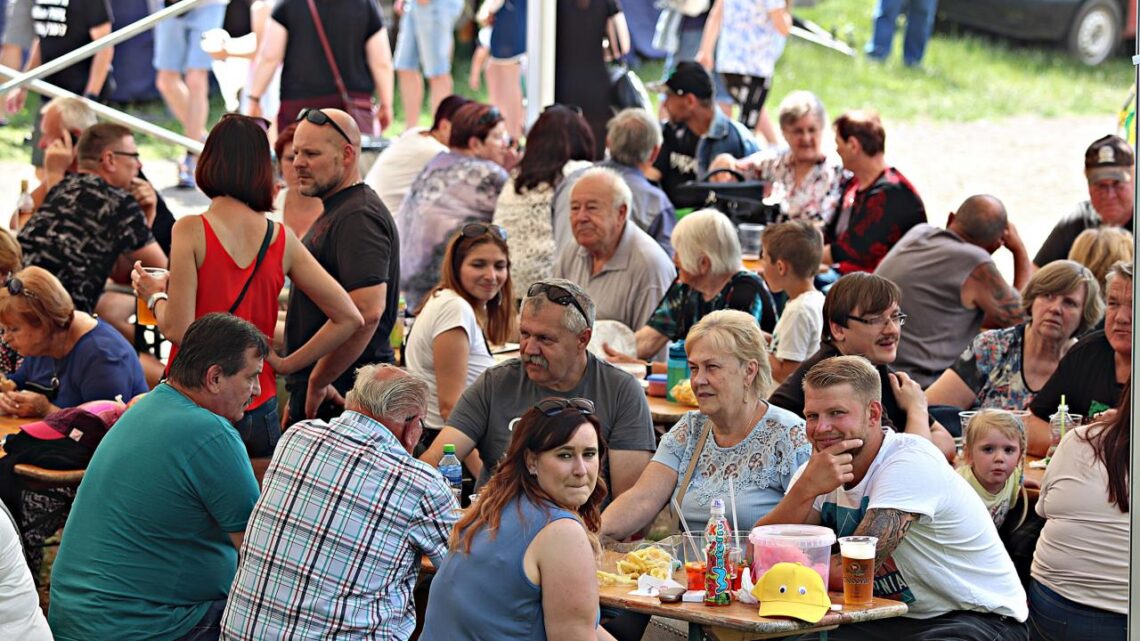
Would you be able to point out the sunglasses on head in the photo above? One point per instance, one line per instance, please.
(318, 117)
(475, 230)
(558, 295)
(492, 116)
(575, 108)
(257, 120)
(16, 288)
(555, 406)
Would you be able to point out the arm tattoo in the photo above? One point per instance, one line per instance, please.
(1000, 302)
(890, 526)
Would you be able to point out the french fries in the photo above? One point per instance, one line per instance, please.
(653, 561)
(608, 578)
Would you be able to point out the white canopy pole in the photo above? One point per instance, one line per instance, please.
(540, 34)
(1133, 482)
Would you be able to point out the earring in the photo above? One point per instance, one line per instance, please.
(533, 472)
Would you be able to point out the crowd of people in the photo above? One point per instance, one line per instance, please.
(220, 504)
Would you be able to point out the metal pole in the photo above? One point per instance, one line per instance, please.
(112, 115)
(541, 16)
(1134, 456)
(90, 49)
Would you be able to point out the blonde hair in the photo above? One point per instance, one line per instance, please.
(1099, 248)
(736, 333)
(1001, 421)
(856, 371)
(43, 303)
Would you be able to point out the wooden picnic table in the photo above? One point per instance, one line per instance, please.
(11, 424)
(666, 412)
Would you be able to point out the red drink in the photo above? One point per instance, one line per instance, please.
(695, 575)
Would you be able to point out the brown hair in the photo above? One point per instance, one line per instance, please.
(864, 126)
(285, 138)
(868, 293)
(855, 371)
(472, 120)
(1062, 277)
(43, 303)
(1099, 248)
(95, 140)
(11, 258)
(797, 243)
(235, 162)
(1111, 446)
(535, 433)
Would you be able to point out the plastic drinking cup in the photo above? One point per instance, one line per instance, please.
(858, 554)
(145, 316)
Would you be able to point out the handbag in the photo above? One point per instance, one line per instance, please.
(260, 257)
(626, 88)
(356, 104)
(742, 201)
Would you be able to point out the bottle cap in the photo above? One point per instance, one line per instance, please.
(449, 449)
(718, 507)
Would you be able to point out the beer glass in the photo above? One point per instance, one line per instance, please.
(858, 553)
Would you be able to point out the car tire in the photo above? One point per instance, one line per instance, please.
(1095, 32)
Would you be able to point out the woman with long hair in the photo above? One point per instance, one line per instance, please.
(533, 532)
(559, 144)
(1079, 590)
(470, 309)
(219, 250)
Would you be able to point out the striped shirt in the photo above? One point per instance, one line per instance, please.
(333, 547)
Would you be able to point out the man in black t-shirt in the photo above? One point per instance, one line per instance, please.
(356, 242)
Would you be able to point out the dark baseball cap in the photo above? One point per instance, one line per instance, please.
(1109, 158)
(688, 78)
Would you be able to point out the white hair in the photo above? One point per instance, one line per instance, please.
(710, 234)
(619, 190)
(74, 114)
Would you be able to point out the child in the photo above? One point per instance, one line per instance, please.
(791, 259)
(994, 451)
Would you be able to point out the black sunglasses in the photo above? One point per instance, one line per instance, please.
(555, 406)
(559, 295)
(575, 108)
(475, 230)
(16, 288)
(492, 116)
(257, 120)
(318, 117)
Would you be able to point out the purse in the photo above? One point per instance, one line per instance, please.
(357, 104)
(742, 201)
(626, 88)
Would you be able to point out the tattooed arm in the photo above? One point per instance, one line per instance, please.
(889, 526)
(986, 289)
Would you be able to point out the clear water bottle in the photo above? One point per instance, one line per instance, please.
(24, 205)
(1059, 423)
(452, 471)
(678, 368)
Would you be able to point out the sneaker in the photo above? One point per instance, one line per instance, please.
(186, 172)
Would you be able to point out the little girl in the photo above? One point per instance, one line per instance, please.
(994, 451)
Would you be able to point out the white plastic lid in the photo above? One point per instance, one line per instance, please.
(802, 536)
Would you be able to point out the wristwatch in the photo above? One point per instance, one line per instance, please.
(153, 300)
(648, 369)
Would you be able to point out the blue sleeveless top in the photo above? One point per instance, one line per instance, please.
(486, 594)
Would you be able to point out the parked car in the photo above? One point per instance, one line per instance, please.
(1090, 29)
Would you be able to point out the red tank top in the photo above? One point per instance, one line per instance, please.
(219, 282)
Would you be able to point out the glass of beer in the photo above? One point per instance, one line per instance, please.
(858, 553)
(144, 315)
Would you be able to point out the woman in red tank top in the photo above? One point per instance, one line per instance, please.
(214, 267)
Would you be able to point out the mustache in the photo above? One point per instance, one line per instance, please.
(536, 360)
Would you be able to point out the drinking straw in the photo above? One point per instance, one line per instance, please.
(685, 526)
(732, 501)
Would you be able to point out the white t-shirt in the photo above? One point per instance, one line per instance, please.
(393, 173)
(446, 310)
(951, 558)
(20, 614)
(1083, 550)
(796, 336)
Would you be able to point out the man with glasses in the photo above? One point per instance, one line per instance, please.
(90, 219)
(861, 316)
(950, 285)
(355, 241)
(555, 325)
(1109, 164)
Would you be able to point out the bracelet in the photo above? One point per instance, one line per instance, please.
(153, 300)
(254, 98)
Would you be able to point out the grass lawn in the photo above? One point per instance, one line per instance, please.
(965, 76)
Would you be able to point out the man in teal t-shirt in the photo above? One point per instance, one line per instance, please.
(151, 545)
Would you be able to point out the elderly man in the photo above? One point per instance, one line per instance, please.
(861, 316)
(1092, 374)
(878, 204)
(696, 133)
(1108, 169)
(90, 218)
(153, 538)
(555, 325)
(937, 550)
(621, 268)
(951, 285)
(355, 241)
(633, 138)
(347, 559)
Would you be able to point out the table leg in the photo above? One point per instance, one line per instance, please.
(696, 632)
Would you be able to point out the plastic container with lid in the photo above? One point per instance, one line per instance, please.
(657, 384)
(806, 544)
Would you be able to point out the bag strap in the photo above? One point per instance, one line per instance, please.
(260, 257)
(689, 473)
(328, 53)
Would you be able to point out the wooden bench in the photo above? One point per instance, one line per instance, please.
(39, 478)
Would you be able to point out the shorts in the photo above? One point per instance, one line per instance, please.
(749, 92)
(18, 27)
(508, 33)
(178, 41)
(427, 37)
(260, 429)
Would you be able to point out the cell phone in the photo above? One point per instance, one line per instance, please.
(670, 595)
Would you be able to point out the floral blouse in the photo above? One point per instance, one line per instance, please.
(761, 466)
(815, 198)
(991, 367)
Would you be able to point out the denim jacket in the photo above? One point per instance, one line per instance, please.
(725, 136)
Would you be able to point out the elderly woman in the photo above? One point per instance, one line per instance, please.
(710, 276)
(70, 357)
(532, 533)
(801, 177)
(460, 185)
(1101, 248)
(1004, 368)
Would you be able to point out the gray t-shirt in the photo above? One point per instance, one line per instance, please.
(488, 410)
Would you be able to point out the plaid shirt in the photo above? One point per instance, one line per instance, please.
(333, 546)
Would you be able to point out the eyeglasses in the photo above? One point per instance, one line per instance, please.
(575, 108)
(899, 319)
(318, 117)
(492, 116)
(555, 406)
(130, 154)
(475, 230)
(558, 295)
(16, 288)
(258, 120)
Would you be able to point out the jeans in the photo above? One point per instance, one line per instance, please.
(919, 25)
(953, 626)
(209, 627)
(1052, 617)
(260, 429)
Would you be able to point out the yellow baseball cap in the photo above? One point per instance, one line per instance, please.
(792, 590)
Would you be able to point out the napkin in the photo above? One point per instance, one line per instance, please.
(744, 594)
(651, 585)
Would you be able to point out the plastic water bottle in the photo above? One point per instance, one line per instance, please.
(452, 471)
(678, 368)
(396, 338)
(1059, 423)
(718, 581)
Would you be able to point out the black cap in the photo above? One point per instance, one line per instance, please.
(1109, 158)
(688, 78)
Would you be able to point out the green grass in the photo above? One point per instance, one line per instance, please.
(965, 76)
